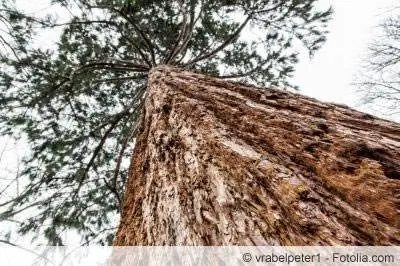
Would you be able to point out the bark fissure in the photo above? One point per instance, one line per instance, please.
(220, 163)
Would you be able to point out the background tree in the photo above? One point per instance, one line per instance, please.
(380, 81)
(78, 103)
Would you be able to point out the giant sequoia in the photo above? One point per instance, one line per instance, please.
(219, 163)
(214, 162)
(78, 101)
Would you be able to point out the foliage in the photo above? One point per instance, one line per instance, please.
(78, 103)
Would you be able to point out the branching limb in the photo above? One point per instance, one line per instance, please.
(228, 41)
(147, 41)
(183, 48)
(114, 64)
(120, 78)
(131, 133)
(6, 44)
(149, 44)
(98, 148)
(181, 35)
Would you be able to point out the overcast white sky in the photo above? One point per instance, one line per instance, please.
(327, 76)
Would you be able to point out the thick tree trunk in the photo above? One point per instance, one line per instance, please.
(220, 163)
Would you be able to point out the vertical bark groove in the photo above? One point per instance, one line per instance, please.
(220, 163)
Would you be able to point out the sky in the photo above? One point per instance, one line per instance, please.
(327, 76)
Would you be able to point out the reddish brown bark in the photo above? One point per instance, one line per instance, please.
(220, 163)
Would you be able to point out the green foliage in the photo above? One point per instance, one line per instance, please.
(78, 103)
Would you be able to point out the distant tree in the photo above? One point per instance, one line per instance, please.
(379, 82)
(79, 103)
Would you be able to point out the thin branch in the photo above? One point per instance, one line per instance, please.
(6, 214)
(20, 197)
(97, 150)
(149, 44)
(247, 73)
(110, 23)
(280, 4)
(25, 249)
(193, 21)
(131, 133)
(23, 15)
(114, 64)
(120, 78)
(53, 25)
(381, 84)
(141, 53)
(222, 46)
(7, 44)
(181, 34)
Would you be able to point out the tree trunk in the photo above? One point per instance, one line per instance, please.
(221, 163)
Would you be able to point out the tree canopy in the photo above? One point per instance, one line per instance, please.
(78, 102)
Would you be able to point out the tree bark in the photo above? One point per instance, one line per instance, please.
(221, 163)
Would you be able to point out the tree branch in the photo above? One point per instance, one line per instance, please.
(247, 73)
(25, 249)
(111, 23)
(120, 78)
(149, 44)
(182, 33)
(7, 44)
(97, 150)
(112, 64)
(222, 46)
(131, 132)
(141, 53)
(183, 48)
(143, 36)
